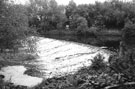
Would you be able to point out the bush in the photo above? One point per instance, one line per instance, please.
(87, 32)
(98, 63)
(125, 66)
(128, 32)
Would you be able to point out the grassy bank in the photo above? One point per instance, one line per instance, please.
(60, 32)
(90, 32)
(109, 33)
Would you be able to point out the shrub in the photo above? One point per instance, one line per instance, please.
(125, 66)
(98, 63)
(129, 33)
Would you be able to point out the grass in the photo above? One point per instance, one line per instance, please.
(109, 33)
(60, 32)
(93, 31)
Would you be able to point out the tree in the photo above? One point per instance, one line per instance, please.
(70, 9)
(82, 25)
(13, 24)
(47, 15)
(71, 13)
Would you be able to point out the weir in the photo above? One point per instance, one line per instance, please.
(56, 58)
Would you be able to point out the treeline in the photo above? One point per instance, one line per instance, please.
(43, 16)
(113, 14)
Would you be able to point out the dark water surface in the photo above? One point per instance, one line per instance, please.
(111, 42)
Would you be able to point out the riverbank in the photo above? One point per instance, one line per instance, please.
(90, 32)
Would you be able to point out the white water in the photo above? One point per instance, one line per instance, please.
(56, 58)
(62, 57)
(15, 74)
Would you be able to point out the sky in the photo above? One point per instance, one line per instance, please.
(65, 2)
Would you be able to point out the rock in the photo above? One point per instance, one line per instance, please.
(103, 47)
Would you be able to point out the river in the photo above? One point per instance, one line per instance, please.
(55, 58)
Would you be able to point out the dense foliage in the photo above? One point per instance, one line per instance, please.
(46, 16)
(113, 14)
(13, 24)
